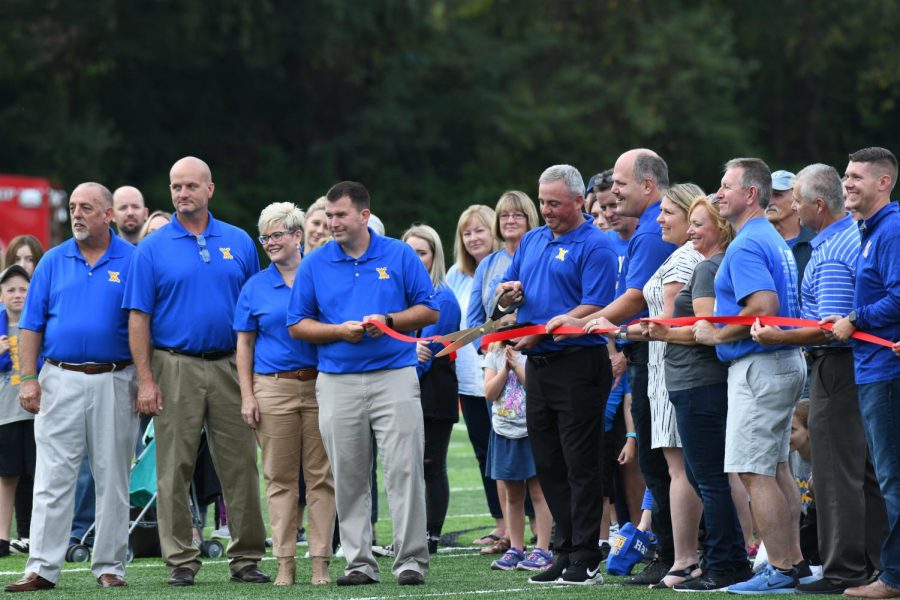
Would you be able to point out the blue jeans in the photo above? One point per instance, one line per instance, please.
(879, 404)
(85, 501)
(701, 413)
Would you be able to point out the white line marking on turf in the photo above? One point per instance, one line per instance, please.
(444, 594)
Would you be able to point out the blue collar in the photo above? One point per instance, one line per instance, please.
(866, 226)
(649, 214)
(836, 227)
(213, 229)
(114, 250)
(375, 250)
(274, 276)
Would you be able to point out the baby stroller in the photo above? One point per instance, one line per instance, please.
(142, 493)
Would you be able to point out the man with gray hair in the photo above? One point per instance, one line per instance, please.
(84, 396)
(840, 465)
(758, 277)
(569, 265)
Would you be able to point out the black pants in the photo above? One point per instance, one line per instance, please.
(852, 521)
(653, 463)
(437, 485)
(565, 402)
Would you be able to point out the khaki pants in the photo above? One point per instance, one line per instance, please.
(197, 392)
(352, 408)
(288, 433)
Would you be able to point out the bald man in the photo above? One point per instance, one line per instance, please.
(182, 299)
(129, 212)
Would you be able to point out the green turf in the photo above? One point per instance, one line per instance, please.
(455, 573)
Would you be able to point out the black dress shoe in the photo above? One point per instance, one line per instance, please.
(410, 577)
(250, 574)
(355, 578)
(823, 586)
(181, 577)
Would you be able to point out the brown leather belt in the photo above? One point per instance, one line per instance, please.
(306, 374)
(208, 355)
(90, 368)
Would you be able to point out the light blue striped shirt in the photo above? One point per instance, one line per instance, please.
(830, 277)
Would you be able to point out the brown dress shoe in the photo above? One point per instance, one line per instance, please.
(876, 589)
(32, 582)
(109, 580)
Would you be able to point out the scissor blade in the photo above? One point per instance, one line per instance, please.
(452, 337)
(460, 342)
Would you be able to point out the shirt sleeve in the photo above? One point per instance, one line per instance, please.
(244, 319)
(682, 268)
(749, 274)
(37, 301)
(646, 254)
(302, 302)
(475, 316)
(598, 275)
(140, 289)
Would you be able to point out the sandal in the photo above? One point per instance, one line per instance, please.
(684, 573)
(486, 540)
(498, 547)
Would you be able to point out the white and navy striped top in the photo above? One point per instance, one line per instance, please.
(829, 281)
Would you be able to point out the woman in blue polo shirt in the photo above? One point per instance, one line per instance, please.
(437, 381)
(278, 398)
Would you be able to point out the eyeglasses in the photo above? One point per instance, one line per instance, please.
(204, 253)
(275, 236)
(515, 216)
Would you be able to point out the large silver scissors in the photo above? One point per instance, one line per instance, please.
(460, 338)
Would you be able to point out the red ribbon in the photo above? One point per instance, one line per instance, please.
(508, 334)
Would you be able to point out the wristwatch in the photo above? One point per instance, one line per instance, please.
(622, 333)
(389, 320)
(852, 317)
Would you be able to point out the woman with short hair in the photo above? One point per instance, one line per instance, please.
(277, 375)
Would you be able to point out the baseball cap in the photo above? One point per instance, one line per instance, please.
(12, 271)
(783, 180)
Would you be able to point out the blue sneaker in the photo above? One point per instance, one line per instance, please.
(509, 561)
(538, 560)
(767, 581)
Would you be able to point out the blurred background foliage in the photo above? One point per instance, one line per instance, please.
(434, 105)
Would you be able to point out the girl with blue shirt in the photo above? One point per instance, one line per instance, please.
(437, 383)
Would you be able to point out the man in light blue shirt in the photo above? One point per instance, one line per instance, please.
(850, 511)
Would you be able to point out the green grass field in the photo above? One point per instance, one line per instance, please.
(455, 572)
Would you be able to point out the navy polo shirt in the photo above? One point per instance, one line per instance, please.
(560, 273)
(262, 308)
(877, 295)
(191, 301)
(758, 259)
(646, 252)
(333, 287)
(78, 307)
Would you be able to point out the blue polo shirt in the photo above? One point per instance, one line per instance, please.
(830, 277)
(560, 273)
(333, 287)
(646, 252)
(78, 307)
(191, 301)
(262, 308)
(757, 260)
(877, 295)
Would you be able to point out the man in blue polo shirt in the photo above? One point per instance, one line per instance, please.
(869, 179)
(84, 396)
(758, 277)
(850, 524)
(367, 383)
(187, 280)
(640, 179)
(566, 265)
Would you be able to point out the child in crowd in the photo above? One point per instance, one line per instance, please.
(800, 457)
(509, 459)
(17, 449)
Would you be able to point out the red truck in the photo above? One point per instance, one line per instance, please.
(31, 205)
